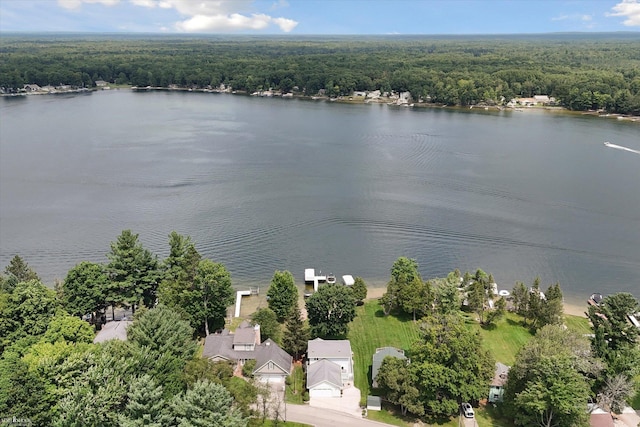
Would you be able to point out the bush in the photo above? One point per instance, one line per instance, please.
(305, 396)
(248, 367)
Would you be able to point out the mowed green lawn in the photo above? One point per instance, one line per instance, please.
(371, 329)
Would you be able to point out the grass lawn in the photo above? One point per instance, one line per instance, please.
(297, 387)
(505, 338)
(579, 324)
(255, 422)
(370, 330)
(635, 401)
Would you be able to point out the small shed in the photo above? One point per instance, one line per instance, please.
(374, 403)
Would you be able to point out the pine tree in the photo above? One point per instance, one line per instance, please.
(206, 404)
(145, 406)
(297, 335)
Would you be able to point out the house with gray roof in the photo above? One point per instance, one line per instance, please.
(336, 351)
(324, 379)
(273, 364)
(379, 356)
(329, 367)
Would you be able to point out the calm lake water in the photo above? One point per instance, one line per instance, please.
(264, 184)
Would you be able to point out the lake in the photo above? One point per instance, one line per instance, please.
(264, 184)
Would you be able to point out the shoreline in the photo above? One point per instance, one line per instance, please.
(571, 309)
(345, 100)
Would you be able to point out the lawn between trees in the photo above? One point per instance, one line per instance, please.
(371, 329)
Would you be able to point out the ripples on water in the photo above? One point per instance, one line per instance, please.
(266, 184)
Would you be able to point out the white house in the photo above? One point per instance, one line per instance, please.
(324, 379)
(336, 351)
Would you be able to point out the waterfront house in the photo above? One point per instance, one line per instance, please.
(330, 367)
(273, 364)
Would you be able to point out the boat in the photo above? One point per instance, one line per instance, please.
(607, 143)
(331, 279)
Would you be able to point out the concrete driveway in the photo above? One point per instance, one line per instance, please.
(322, 417)
(349, 403)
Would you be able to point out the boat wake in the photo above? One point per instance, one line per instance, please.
(620, 147)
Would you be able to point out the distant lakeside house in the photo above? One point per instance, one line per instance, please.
(273, 364)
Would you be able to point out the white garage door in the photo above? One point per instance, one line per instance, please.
(324, 392)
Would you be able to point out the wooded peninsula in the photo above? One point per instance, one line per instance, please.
(580, 71)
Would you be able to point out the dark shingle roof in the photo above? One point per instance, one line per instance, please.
(270, 351)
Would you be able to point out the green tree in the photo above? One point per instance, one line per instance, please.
(213, 294)
(282, 294)
(64, 327)
(145, 405)
(398, 384)
(477, 298)
(403, 272)
(359, 289)
(330, 310)
(416, 297)
(84, 290)
(133, 271)
(450, 365)
(535, 305)
(269, 326)
(23, 393)
(297, 335)
(180, 269)
(161, 331)
(499, 310)
(206, 404)
(19, 269)
(28, 310)
(551, 312)
(548, 383)
(615, 339)
(447, 296)
(520, 295)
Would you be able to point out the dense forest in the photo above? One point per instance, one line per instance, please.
(583, 72)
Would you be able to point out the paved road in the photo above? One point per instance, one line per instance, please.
(321, 417)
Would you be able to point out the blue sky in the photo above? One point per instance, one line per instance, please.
(321, 16)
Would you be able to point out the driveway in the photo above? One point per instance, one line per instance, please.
(468, 422)
(322, 417)
(349, 403)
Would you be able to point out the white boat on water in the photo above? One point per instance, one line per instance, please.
(331, 279)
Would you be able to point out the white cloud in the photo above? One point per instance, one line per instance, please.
(218, 15)
(575, 17)
(630, 9)
(75, 4)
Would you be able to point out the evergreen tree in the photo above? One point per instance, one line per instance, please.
(297, 335)
(205, 404)
(133, 271)
(359, 289)
(17, 271)
(145, 405)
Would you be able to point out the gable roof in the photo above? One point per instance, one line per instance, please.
(269, 351)
(329, 349)
(324, 371)
(221, 345)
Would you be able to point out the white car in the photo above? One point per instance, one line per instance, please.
(467, 410)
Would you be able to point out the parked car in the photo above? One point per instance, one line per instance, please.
(467, 410)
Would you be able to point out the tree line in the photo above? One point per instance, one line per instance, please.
(581, 72)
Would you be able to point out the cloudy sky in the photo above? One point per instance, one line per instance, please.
(320, 16)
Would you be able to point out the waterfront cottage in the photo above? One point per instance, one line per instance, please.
(496, 389)
(273, 364)
(330, 367)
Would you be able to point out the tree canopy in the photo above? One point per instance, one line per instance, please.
(282, 294)
(330, 310)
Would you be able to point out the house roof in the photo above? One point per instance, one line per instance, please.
(113, 330)
(222, 345)
(245, 334)
(379, 356)
(328, 349)
(324, 371)
(270, 351)
(500, 375)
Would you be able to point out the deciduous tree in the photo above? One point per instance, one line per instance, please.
(330, 310)
(84, 290)
(282, 294)
(269, 326)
